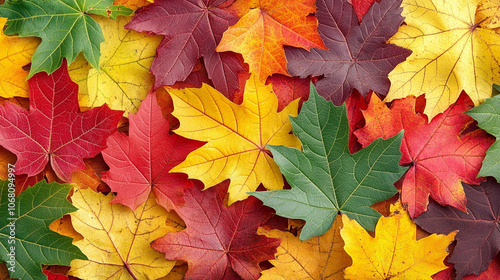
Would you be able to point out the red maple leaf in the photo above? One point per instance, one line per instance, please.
(358, 56)
(219, 242)
(54, 129)
(441, 154)
(192, 29)
(361, 7)
(140, 163)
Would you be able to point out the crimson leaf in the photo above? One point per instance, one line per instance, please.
(54, 129)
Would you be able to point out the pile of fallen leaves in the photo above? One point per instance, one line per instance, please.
(245, 139)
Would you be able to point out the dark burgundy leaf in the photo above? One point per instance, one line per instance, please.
(478, 239)
(219, 242)
(192, 29)
(357, 56)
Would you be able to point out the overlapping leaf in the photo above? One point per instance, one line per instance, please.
(65, 27)
(268, 25)
(219, 242)
(237, 136)
(34, 243)
(326, 178)
(488, 117)
(452, 51)
(15, 53)
(478, 239)
(435, 169)
(53, 129)
(140, 163)
(192, 29)
(123, 79)
(393, 253)
(318, 258)
(117, 239)
(358, 56)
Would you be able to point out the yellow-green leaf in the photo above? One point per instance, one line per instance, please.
(117, 239)
(123, 79)
(452, 51)
(236, 136)
(394, 253)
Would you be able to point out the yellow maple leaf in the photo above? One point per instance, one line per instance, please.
(123, 79)
(268, 25)
(321, 257)
(394, 253)
(236, 136)
(117, 239)
(489, 11)
(452, 51)
(14, 54)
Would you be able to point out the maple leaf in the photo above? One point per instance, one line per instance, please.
(478, 239)
(133, 4)
(140, 162)
(358, 56)
(452, 52)
(123, 79)
(219, 242)
(192, 29)
(326, 178)
(435, 169)
(288, 89)
(402, 256)
(488, 13)
(15, 53)
(53, 129)
(361, 7)
(488, 117)
(269, 24)
(27, 225)
(322, 257)
(65, 27)
(236, 135)
(117, 239)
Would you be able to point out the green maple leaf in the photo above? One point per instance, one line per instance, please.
(65, 27)
(487, 116)
(35, 244)
(326, 178)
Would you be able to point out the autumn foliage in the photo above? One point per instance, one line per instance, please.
(245, 139)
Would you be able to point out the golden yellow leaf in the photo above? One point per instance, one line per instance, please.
(268, 25)
(14, 54)
(321, 257)
(65, 227)
(394, 253)
(236, 136)
(490, 11)
(123, 79)
(452, 51)
(116, 239)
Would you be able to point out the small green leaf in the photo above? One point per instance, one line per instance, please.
(65, 27)
(326, 178)
(488, 117)
(35, 244)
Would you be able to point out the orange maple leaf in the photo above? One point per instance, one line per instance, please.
(268, 25)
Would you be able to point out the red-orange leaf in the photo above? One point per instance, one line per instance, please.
(442, 154)
(219, 242)
(269, 24)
